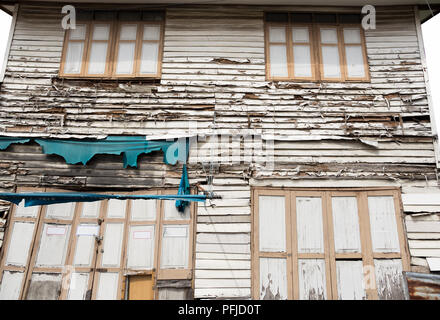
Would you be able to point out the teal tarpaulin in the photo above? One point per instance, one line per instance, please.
(79, 151)
(82, 151)
(46, 198)
(7, 141)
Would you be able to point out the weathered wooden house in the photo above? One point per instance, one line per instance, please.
(310, 135)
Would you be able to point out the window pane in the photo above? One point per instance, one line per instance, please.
(78, 286)
(383, 224)
(98, 56)
(312, 283)
(116, 208)
(53, 246)
(352, 35)
(171, 212)
(20, 242)
(329, 36)
(62, 211)
(22, 211)
(149, 58)
(114, 233)
(74, 57)
(309, 225)
(125, 58)
(11, 285)
(175, 246)
(389, 279)
(272, 223)
(151, 32)
(277, 34)
(350, 280)
(141, 247)
(44, 286)
(79, 33)
(101, 32)
(278, 61)
(143, 210)
(346, 224)
(90, 209)
(107, 286)
(273, 279)
(300, 35)
(330, 60)
(85, 244)
(355, 61)
(128, 32)
(302, 61)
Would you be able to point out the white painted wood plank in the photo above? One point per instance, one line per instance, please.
(272, 223)
(222, 283)
(53, 246)
(273, 279)
(107, 286)
(20, 242)
(222, 293)
(84, 250)
(141, 247)
(309, 225)
(63, 211)
(143, 210)
(11, 285)
(312, 283)
(434, 264)
(223, 264)
(383, 224)
(350, 280)
(78, 286)
(171, 212)
(90, 209)
(175, 246)
(224, 227)
(346, 224)
(116, 208)
(389, 279)
(113, 235)
(27, 212)
(423, 226)
(222, 274)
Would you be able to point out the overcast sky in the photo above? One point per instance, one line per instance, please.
(430, 29)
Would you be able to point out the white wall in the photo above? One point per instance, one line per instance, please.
(5, 23)
(432, 47)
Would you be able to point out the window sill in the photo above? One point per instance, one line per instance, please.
(110, 79)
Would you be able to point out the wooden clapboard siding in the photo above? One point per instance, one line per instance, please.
(214, 70)
(423, 227)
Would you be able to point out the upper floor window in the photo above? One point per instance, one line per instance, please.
(114, 44)
(315, 47)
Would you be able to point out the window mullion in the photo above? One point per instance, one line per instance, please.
(289, 52)
(87, 46)
(366, 246)
(138, 49)
(342, 57)
(330, 241)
